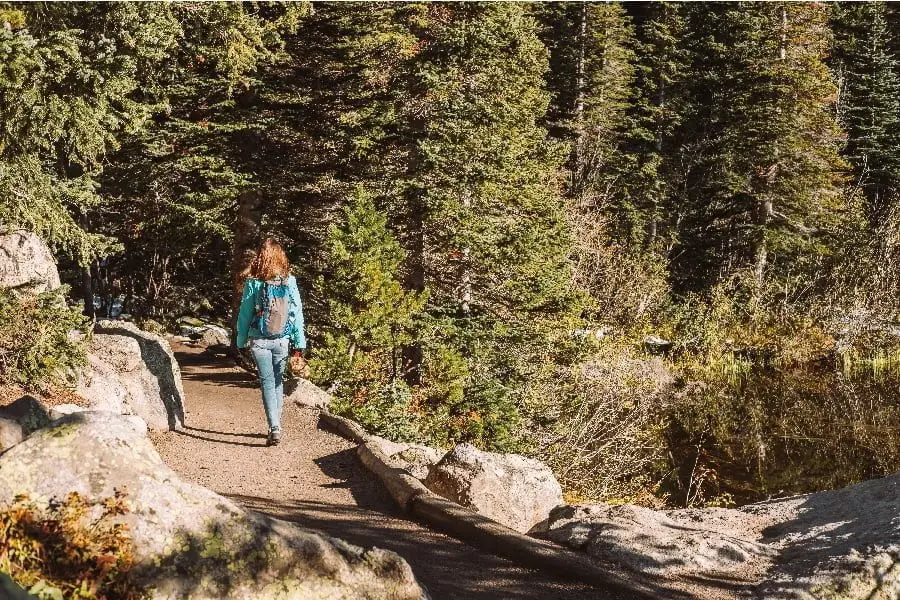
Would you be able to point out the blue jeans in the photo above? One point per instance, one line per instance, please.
(271, 357)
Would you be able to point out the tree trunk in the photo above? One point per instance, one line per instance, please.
(765, 211)
(765, 206)
(246, 241)
(87, 292)
(578, 108)
(87, 282)
(465, 296)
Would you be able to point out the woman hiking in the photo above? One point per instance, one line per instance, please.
(269, 320)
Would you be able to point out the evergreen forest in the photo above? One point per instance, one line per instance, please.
(653, 244)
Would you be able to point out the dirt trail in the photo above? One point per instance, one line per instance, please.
(313, 478)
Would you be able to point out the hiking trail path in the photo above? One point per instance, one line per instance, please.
(314, 479)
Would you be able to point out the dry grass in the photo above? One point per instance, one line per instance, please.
(606, 437)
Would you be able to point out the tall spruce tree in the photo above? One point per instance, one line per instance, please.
(607, 104)
(176, 185)
(443, 104)
(652, 176)
(760, 144)
(868, 70)
(592, 91)
(490, 229)
(370, 315)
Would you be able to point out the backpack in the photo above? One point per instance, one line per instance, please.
(273, 309)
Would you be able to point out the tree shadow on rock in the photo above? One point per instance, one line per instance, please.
(830, 527)
(28, 412)
(161, 365)
(241, 557)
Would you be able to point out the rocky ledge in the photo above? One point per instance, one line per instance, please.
(836, 544)
(191, 543)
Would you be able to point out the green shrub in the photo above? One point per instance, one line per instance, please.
(36, 350)
(384, 410)
(58, 553)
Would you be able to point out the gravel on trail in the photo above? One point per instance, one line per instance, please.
(313, 478)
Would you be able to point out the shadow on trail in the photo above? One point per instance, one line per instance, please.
(212, 370)
(441, 564)
(249, 435)
(366, 491)
(186, 433)
(239, 379)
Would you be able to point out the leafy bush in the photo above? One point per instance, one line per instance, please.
(58, 553)
(36, 350)
(384, 410)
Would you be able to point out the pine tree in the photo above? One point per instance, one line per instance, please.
(869, 110)
(175, 186)
(760, 144)
(609, 103)
(67, 92)
(591, 50)
(652, 173)
(488, 234)
(370, 315)
(440, 107)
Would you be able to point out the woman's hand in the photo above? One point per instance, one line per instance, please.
(298, 365)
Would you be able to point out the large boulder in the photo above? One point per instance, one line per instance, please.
(26, 262)
(836, 544)
(132, 371)
(188, 541)
(59, 411)
(215, 336)
(19, 419)
(842, 544)
(417, 459)
(516, 491)
(10, 434)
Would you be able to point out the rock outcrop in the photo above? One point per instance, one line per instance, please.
(516, 491)
(133, 372)
(836, 544)
(188, 541)
(214, 335)
(26, 262)
(64, 410)
(19, 419)
(673, 543)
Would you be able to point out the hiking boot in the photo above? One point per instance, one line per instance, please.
(274, 437)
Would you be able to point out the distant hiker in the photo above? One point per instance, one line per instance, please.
(269, 320)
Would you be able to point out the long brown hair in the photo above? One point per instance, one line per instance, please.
(270, 262)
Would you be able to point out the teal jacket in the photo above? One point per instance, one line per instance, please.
(246, 322)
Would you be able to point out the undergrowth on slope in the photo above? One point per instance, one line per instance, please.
(61, 552)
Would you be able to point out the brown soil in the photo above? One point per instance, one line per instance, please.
(313, 478)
